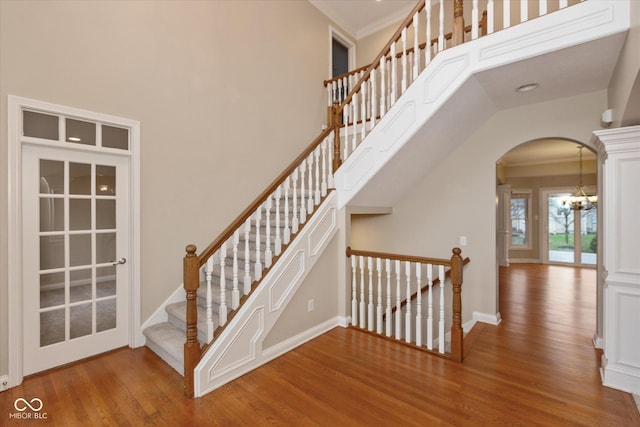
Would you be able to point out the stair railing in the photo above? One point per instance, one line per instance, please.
(361, 98)
(385, 305)
(295, 194)
(367, 101)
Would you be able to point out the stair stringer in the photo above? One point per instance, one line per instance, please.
(446, 103)
(238, 349)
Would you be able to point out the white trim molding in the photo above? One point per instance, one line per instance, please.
(14, 209)
(239, 348)
(620, 239)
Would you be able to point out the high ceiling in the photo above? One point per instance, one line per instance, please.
(363, 17)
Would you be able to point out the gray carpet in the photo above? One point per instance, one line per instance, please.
(52, 322)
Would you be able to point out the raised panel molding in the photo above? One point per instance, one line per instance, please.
(398, 125)
(358, 168)
(238, 349)
(443, 77)
(535, 40)
(620, 149)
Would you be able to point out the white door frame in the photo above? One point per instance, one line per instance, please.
(346, 41)
(14, 211)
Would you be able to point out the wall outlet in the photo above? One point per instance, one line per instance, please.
(310, 305)
(463, 240)
(4, 383)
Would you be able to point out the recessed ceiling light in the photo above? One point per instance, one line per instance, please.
(74, 139)
(527, 88)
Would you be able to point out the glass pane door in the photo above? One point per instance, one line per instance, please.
(75, 291)
(571, 235)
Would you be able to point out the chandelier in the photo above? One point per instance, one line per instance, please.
(579, 200)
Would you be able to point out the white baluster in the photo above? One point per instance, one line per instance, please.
(235, 293)
(524, 10)
(407, 316)
(363, 110)
(416, 47)
(268, 253)
(316, 153)
(295, 221)
(346, 117)
(277, 244)
(323, 185)
(562, 4)
(506, 13)
(441, 30)
(427, 47)
(310, 199)
(258, 265)
(339, 96)
(394, 74)
(398, 303)
(208, 274)
(441, 322)
(389, 320)
(404, 60)
(345, 88)
(223, 285)
(286, 232)
(430, 307)
(475, 25)
(490, 15)
(543, 7)
(363, 318)
(374, 101)
(334, 88)
(379, 307)
(354, 130)
(383, 86)
(419, 305)
(370, 311)
(329, 95)
(354, 291)
(247, 257)
(303, 202)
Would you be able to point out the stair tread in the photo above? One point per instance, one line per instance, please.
(168, 337)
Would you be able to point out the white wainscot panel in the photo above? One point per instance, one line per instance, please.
(285, 282)
(322, 232)
(243, 347)
(628, 333)
(398, 125)
(358, 169)
(443, 77)
(628, 225)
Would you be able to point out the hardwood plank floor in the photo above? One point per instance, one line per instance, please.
(538, 367)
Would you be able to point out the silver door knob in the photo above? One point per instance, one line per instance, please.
(120, 261)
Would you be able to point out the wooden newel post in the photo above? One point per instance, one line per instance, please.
(191, 346)
(336, 122)
(456, 328)
(458, 23)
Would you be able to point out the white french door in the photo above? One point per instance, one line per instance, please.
(76, 244)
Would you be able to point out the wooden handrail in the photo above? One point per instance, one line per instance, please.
(408, 21)
(240, 220)
(421, 46)
(410, 258)
(455, 273)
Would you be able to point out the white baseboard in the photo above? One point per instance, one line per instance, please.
(524, 261)
(297, 340)
(598, 342)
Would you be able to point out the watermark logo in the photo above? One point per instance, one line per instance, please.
(28, 409)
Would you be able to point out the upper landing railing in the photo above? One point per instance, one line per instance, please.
(359, 99)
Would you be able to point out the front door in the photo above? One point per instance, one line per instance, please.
(75, 250)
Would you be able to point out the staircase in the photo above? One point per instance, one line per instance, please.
(385, 134)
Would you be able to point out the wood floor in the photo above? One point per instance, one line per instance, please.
(538, 367)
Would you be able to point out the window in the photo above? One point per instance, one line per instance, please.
(520, 219)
